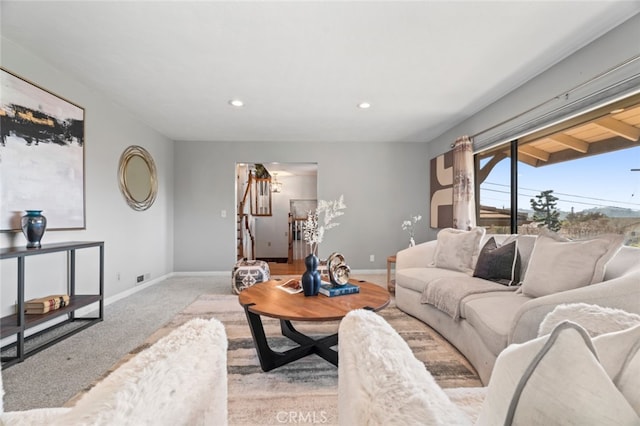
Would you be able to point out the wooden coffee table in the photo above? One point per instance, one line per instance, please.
(265, 299)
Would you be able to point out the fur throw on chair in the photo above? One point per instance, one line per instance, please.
(180, 380)
(596, 320)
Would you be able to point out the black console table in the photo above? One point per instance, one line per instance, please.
(18, 323)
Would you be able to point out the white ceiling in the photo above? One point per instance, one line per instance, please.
(302, 67)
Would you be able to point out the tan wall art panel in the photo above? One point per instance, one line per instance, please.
(441, 178)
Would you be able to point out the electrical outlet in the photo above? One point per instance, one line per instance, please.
(372, 258)
(118, 276)
(140, 278)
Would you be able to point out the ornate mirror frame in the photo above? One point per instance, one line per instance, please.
(138, 177)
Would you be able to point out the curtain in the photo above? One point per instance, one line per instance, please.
(464, 204)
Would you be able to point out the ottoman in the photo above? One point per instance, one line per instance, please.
(247, 273)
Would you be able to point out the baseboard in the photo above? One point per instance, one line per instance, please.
(273, 259)
(228, 273)
(112, 299)
(368, 271)
(203, 274)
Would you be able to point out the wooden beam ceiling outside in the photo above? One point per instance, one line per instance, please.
(534, 152)
(603, 132)
(527, 159)
(610, 128)
(619, 128)
(570, 142)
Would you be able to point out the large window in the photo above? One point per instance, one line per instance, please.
(591, 195)
(493, 176)
(581, 180)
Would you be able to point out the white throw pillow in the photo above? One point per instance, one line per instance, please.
(627, 380)
(596, 320)
(555, 380)
(619, 354)
(557, 266)
(457, 249)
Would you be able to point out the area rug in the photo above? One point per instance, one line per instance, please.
(306, 390)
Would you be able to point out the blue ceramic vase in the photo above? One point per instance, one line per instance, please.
(311, 277)
(33, 226)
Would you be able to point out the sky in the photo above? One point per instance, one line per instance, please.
(600, 180)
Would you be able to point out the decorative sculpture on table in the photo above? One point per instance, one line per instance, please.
(311, 277)
(313, 235)
(338, 270)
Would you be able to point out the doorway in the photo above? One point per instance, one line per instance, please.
(275, 237)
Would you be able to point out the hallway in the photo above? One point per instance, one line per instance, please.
(297, 267)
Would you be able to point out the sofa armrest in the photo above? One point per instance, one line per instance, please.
(380, 381)
(620, 293)
(180, 380)
(418, 256)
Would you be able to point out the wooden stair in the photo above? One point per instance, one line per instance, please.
(258, 192)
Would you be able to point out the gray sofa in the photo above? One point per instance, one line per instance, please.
(486, 323)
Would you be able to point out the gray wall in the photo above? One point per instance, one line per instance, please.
(607, 51)
(382, 183)
(136, 243)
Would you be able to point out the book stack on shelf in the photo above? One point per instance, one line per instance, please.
(46, 304)
(330, 290)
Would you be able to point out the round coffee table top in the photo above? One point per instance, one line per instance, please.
(266, 299)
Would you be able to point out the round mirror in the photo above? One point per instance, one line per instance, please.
(138, 180)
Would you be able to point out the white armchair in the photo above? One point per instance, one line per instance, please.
(180, 380)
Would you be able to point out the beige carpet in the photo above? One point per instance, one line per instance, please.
(304, 391)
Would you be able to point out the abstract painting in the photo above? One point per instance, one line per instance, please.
(41, 155)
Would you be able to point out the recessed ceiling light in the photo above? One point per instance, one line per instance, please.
(236, 103)
(364, 105)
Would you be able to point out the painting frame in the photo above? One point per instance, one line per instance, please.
(42, 155)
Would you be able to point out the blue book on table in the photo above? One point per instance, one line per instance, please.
(331, 291)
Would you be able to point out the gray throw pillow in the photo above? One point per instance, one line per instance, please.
(525, 248)
(500, 264)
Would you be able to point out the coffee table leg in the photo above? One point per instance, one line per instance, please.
(270, 359)
(322, 346)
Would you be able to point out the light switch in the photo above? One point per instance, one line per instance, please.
(223, 213)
